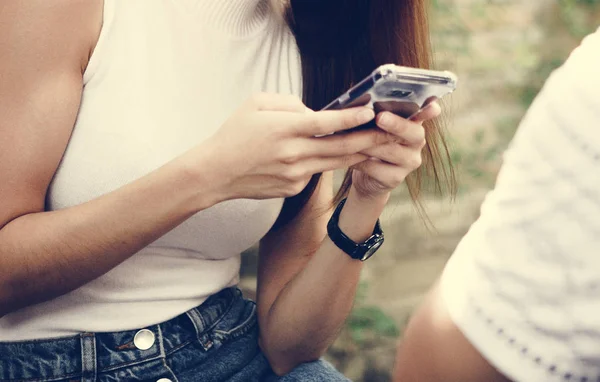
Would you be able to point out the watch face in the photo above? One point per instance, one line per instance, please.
(372, 249)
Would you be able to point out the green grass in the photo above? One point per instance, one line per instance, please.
(369, 321)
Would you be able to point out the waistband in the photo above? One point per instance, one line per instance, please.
(84, 355)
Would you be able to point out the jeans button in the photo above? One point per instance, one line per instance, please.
(164, 380)
(144, 339)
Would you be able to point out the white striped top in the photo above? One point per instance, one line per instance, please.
(524, 283)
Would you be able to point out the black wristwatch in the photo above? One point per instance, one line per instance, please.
(359, 251)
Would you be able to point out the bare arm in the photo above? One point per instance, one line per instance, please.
(44, 47)
(306, 284)
(433, 349)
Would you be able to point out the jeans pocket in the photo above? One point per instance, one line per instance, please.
(240, 320)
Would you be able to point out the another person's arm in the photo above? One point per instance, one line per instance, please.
(434, 349)
(519, 297)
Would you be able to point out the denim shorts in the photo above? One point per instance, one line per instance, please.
(217, 341)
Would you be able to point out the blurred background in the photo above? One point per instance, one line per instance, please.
(502, 51)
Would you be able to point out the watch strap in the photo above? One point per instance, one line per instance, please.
(342, 241)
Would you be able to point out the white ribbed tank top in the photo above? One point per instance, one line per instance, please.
(164, 76)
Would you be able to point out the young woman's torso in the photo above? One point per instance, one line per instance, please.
(163, 77)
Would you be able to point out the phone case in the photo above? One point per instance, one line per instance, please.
(401, 90)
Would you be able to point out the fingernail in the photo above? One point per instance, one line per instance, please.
(385, 120)
(365, 116)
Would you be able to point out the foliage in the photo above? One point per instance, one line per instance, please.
(577, 16)
(369, 321)
(505, 58)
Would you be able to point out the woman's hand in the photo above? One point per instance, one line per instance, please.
(390, 163)
(269, 148)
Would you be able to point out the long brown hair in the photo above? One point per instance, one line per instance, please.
(341, 42)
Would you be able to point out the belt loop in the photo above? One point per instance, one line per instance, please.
(200, 327)
(88, 357)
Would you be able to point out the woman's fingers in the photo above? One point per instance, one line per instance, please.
(408, 132)
(428, 112)
(318, 123)
(289, 113)
(317, 165)
(396, 154)
(373, 142)
(333, 121)
(346, 144)
(388, 175)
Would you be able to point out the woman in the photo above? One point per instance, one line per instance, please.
(138, 161)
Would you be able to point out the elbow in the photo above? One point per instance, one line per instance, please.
(281, 369)
(9, 300)
(285, 359)
(285, 364)
(4, 307)
(4, 298)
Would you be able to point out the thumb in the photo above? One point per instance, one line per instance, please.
(430, 111)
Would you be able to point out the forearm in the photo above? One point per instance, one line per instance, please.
(310, 310)
(44, 255)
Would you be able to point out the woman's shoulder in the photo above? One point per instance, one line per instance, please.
(40, 30)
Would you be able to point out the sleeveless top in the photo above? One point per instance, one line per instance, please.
(164, 76)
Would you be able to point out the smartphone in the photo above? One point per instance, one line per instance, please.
(398, 89)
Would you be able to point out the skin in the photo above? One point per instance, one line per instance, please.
(304, 280)
(434, 349)
(306, 284)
